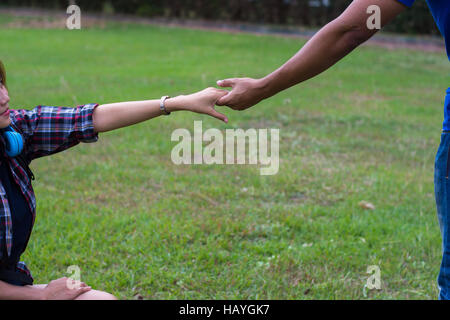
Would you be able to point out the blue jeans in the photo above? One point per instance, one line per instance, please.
(442, 194)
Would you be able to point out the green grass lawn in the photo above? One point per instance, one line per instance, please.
(135, 223)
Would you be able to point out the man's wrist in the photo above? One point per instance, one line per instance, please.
(265, 87)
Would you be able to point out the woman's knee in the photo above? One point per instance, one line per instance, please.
(96, 295)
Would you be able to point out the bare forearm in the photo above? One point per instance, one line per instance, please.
(11, 292)
(112, 116)
(332, 43)
(327, 47)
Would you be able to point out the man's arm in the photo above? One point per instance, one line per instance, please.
(329, 45)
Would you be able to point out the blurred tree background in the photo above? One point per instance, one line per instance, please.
(310, 13)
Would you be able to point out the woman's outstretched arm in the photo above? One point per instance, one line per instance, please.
(112, 116)
(48, 130)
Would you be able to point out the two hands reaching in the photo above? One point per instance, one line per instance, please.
(245, 93)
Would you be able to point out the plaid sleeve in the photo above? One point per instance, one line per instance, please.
(407, 3)
(49, 130)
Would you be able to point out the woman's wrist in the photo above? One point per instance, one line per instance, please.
(175, 104)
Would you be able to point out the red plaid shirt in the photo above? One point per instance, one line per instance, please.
(45, 131)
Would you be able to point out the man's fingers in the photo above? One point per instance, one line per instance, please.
(218, 115)
(226, 83)
(224, 100)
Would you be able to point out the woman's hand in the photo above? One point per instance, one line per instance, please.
(199, 102)
(61, 289)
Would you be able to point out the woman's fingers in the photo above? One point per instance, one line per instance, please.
(212, 112)
(85, 289)
(78, 292)
(82, 290)
(222, 92)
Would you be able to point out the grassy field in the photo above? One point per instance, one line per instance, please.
(135, 223)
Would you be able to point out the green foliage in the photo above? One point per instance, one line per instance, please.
(285, 12)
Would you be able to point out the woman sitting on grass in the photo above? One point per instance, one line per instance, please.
(45, 131)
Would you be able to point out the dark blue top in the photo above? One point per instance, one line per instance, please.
(21, 216)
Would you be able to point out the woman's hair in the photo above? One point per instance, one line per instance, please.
(2, 73)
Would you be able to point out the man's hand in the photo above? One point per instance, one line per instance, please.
(60, 290)
(246, 92)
